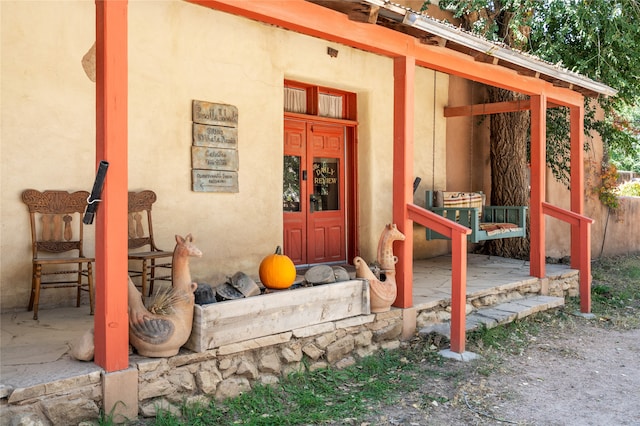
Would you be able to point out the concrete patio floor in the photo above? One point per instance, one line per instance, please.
(36, 352)
(432, 277)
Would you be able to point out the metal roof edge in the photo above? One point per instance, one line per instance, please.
(487, 47)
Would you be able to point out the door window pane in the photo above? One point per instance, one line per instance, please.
(326, 183)
(291, 184)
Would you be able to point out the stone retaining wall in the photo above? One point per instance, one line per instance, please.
(63, 402)
(232, 369)
(217, 373)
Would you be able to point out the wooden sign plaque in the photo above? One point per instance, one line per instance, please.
(214, 181)
(214, 158)
(215, 114)
(214, 147)
(215, 136)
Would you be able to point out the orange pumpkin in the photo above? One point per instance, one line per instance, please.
(277, 270)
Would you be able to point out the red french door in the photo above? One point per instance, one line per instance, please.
(313, 192)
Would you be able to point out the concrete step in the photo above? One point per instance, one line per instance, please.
(502, 313)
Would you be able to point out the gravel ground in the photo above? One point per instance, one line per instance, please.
(574, 373)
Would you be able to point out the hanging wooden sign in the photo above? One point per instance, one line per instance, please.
(215, 136)
(214, 148)
(215, 114)
(214, 181)
(214, 158)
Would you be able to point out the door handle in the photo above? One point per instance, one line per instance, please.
(313, 200)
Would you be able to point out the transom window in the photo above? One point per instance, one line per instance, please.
(316, 100)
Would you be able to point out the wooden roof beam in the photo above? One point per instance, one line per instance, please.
(365, 14)
(492, 108)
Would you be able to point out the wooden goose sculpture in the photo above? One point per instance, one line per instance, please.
(383, 290)
(161, 331)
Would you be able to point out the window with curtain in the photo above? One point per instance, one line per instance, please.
(302, 98)
(295, 100)
(329, 105)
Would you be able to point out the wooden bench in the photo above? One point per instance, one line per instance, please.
(468, 209)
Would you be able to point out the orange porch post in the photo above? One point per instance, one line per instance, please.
(538, 167)
(403, 114)
(577, 176)
(458, 291)
(584, 252)
(111, 317)
(580, 235)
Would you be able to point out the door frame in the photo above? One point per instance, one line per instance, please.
(351, 176)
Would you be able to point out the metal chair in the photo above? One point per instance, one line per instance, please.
(141, 237)
(56, 233)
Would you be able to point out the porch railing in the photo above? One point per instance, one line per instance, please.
(458, 235)
(580, 248)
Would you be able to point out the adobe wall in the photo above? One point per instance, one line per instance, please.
(180, 52)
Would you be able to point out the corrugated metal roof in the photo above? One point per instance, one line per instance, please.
(433, 31)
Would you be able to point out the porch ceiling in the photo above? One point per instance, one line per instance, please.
(435, 32)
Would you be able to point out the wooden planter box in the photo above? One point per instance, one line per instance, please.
(233, 321)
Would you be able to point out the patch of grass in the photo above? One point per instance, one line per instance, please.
(615, 291)
(107, 419)
(311, 397)
(512, 337)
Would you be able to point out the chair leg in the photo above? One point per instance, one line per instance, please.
(144, 278)
(33, 287)
(152, 276)
(79, 289)
(90, 279)
(36, 291)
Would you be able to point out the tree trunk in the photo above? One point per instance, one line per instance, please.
(509, 183)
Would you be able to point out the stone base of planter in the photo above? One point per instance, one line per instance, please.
(233, 321)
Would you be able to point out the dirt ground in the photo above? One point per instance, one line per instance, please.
(577, 373)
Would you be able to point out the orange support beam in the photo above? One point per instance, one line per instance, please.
(538, 169)
(483, 109)
(458, 291)
(584, 252)
(111, 324)
(403, 116)
(580, 235)
(577, 175)
(490, 108)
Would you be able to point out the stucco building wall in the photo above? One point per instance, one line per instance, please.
(48, 124)
(179, 52)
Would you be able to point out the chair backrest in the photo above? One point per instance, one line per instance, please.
(140, 222)
(56, 220)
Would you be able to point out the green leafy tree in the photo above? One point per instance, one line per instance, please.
(599, 39)
(596, 38)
